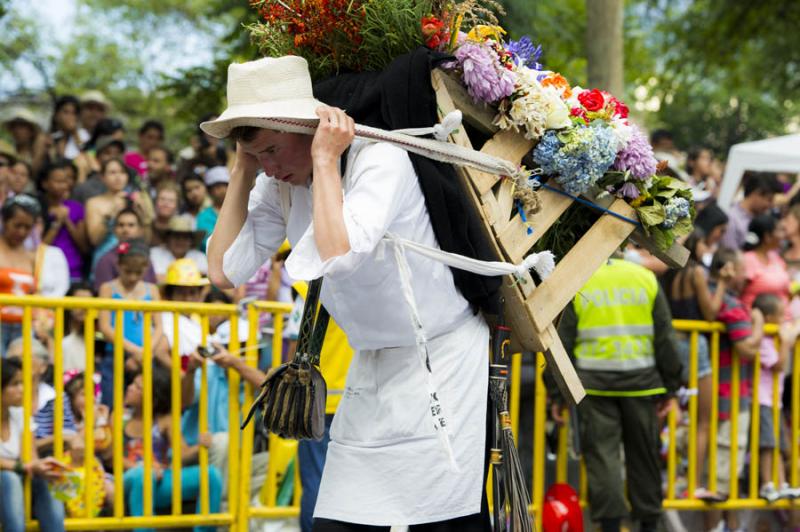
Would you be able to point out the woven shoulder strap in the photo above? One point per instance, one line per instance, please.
(307, 321)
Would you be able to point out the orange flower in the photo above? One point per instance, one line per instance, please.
(559, 82)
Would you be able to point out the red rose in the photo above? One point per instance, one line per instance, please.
(434, 41)
(431, 26)
(620, 109)
(592, 100)
(123, 248)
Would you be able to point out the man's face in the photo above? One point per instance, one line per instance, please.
(284, 156)
(179, 244)
(149, 139)
(127, 228)
(761, 202)
(157, 162)
(91, 114)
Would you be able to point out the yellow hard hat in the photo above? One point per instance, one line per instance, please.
(184, 272)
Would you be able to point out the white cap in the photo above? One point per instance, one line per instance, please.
(216, 175)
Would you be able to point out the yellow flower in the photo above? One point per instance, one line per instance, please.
(483, 31)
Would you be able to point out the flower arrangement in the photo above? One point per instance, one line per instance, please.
(585, 141)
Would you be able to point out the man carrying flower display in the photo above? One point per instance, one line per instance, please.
(335, 200)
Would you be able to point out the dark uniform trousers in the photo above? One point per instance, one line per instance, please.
(605, 423)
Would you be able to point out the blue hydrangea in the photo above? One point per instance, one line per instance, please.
(577, 159)
(675, 209)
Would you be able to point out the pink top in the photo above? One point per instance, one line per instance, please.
(770, 278)
(769, 357)
(136, 161)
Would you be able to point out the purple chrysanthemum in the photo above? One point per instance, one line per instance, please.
(486, 79)
(637, 156)
(525, 52)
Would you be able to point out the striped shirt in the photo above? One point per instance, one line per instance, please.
(738, 327)
(44, 417)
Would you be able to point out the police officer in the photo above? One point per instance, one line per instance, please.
(618, 330)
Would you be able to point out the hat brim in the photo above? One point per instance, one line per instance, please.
(258, 114)
(21, 120)
(200, 282)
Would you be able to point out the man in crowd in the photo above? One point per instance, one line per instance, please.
(127, 226)
(759, 194)
(94, 108)
(618, 330)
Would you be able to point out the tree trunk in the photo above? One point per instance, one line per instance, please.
(604, 45)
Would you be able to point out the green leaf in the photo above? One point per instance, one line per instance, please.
(651, 215)
(682, 227)
(661, 238)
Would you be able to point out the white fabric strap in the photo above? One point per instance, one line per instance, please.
(436, 411)
(433, 149)
(543, 263)
(441, 132)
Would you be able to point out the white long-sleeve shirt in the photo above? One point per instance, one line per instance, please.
(362, 290)
(385, 464)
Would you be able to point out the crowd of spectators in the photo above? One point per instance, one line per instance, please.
(743, 271)
(88, 214)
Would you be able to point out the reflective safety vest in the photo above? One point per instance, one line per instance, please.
(615, 319)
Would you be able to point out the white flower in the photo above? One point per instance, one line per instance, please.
(623, 132)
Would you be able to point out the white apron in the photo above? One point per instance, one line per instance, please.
(385, 465)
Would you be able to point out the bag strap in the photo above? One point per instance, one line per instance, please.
(317, 339)
(307, 321)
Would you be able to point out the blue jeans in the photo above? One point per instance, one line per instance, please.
(133, 483)
(46, 509)
(311, 456)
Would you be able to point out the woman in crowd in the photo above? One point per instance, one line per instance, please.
(67, 136)
(167, 204)
(710, 225)
(151, 135)
(30, 142)
(64, 225)
(765, 268)
(690, 299)
(17, 264)
(20, 180)
(195, 196)
(73, 346)
(162, 471)
(101, 210)
(46, 509)
(130, 285)
(699, 167)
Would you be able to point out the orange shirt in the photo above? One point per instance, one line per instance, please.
(18, 283)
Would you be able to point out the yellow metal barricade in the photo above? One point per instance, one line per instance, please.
(169, 515)
(242, 506)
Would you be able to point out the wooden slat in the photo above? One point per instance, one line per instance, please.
(505, 145)
(553, 206)
(504, 192)
(492, 210)
(515, 294)
(561, 365)
(515, 239)
(479, 116)
(578, 265)
(674, 257)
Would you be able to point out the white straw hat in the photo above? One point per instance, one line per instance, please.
(266, 88)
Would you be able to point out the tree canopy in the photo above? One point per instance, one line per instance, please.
(714, 72)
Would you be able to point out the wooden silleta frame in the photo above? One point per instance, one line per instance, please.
(531, 309)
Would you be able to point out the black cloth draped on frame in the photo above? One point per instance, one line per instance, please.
(401, 96)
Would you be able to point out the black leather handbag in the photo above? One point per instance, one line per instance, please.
(293, 395)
